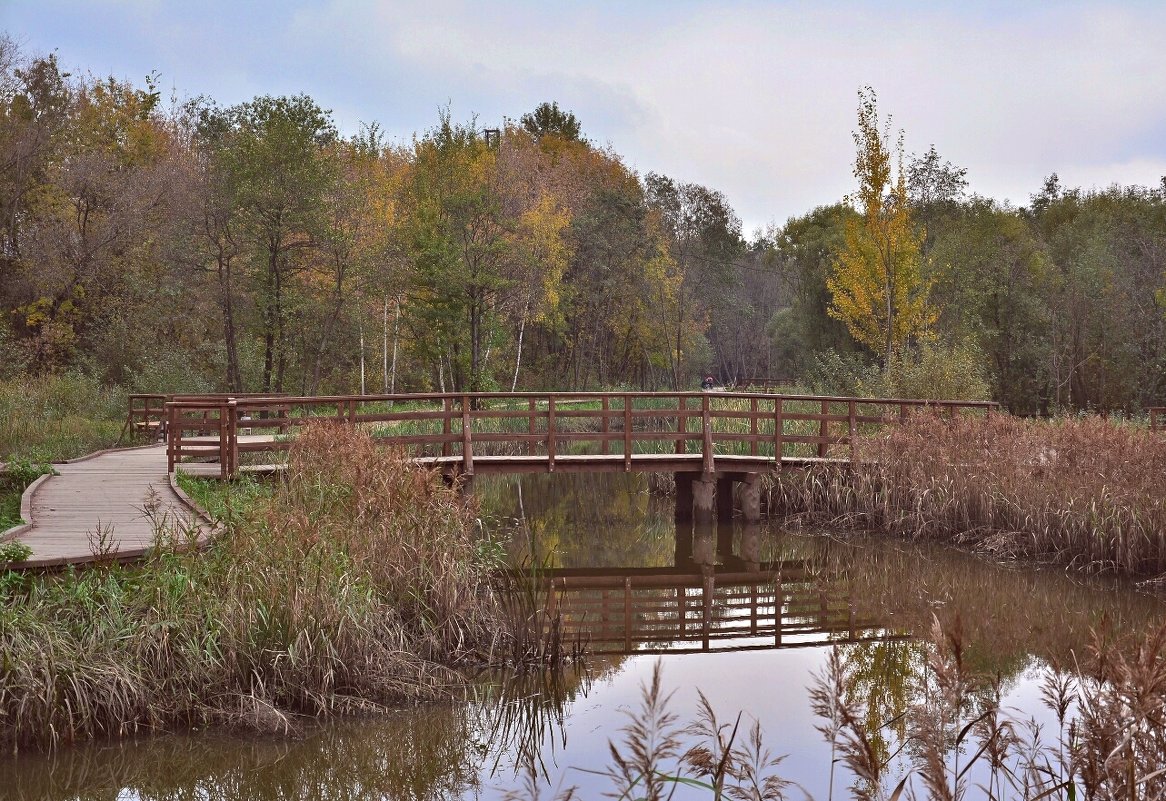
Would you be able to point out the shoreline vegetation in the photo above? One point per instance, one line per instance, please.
(1084, 492)
(358, 582)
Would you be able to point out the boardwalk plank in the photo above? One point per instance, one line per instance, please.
(112, 489)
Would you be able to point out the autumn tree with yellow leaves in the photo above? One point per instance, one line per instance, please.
(876, 283)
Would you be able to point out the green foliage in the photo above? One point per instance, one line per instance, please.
(13, 552)
(548, 118)
(54, 417)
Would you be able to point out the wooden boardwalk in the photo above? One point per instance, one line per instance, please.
(117, 495)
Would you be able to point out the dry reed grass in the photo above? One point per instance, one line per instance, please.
(1085, 492)
(358, 583)
(960, 744)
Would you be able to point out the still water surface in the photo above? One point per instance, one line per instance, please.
(746, 615)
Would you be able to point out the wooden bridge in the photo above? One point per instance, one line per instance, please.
(701, 432)
(706, 439)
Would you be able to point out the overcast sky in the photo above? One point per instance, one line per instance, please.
(756, 99)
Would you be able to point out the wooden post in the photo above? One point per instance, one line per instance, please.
(703, 492)
(606, 425)
(778, 429)
(824, 430)
(753, 426)
(446, 425)
(681, 423)
(751, 499)
(853, 430)
(171, 438)
(627, 433)
(530, 428)
(224, 441)
(233, 432)
(706, 444)
(550, 433)
(467, 440)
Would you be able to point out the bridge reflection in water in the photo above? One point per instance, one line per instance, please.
(702, 605)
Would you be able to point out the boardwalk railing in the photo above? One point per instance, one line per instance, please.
(637, 611)
(1157, 418)
(146, 412)
(542, 430)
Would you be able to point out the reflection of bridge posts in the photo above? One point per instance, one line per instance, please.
(751, 547)
(704, 545)
(703, 493)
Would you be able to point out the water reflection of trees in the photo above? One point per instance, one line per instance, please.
(581, 519)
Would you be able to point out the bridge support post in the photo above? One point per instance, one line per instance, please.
(724, 499)
(751, 499)
(704, 544)
(683, 497)
(751, 547)
(703, 493)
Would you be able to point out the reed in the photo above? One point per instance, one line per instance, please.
(359, 581)
(1086, 492)
(959, 743)
(53, 417)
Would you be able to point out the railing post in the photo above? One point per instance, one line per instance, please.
(550, 433)
(233, 436)
(627, 432)
(530, 427)
(171, 438)
(706, 444)
(824, 430)
(446, 425)
(606, 409)
(224, 442)
(467, 443)
(853, 430)
(753, 426)
(681, 423)
(778, 428)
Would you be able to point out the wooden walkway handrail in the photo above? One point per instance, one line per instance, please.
(629, 427)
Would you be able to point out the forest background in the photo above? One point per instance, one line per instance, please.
(162, 245)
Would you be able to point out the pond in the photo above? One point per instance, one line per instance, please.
(748, 616)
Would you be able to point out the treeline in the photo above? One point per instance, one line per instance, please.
(190, 246)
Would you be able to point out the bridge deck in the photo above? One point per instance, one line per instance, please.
(113, 490)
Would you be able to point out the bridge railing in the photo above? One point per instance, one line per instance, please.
(146, 412)
(1157, 418)
(545, 427)
(628, 611)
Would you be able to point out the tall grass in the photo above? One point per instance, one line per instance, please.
(358, 582)
(957, 741)
(1085, 492)
(54, 417)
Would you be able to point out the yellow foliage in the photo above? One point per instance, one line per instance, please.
(876, 284)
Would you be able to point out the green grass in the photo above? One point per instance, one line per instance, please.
(56, 417)
(227, 501)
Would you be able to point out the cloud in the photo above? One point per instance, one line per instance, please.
(756, 99)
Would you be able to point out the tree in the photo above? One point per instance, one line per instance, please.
(877, 285)
(279, 167)
(548, 118)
